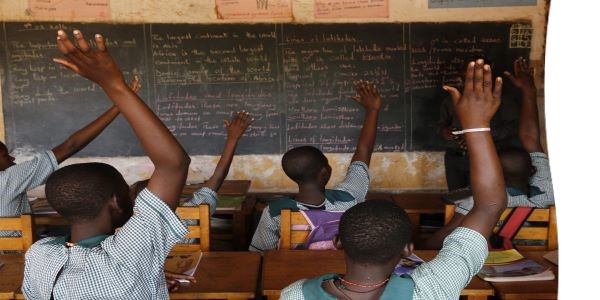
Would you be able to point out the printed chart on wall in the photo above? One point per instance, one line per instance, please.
(296, 80)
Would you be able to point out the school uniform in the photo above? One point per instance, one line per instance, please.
(348, 193)
(126, 265)
(541, 192)
(16, 180)
(444, 277)
(202, 196)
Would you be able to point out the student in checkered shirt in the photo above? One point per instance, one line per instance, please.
(94, 262)
(526, 171)
(208, 194)
(375, 235)
(17, 179)
(309, 168)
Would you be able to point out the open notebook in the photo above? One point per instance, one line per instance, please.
(183, 263)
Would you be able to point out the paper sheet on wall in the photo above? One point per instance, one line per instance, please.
(338, 9)
(96, 9)
(254, 9)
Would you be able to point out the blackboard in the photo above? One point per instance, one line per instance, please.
(295, 79)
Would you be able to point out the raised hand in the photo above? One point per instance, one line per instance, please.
(522, 76)
(480, 98)
(238, 124)
(368, 95)
(96, 65)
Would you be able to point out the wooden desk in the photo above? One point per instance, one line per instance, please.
(416, 204)
(220, 275)
(282, 268)
(44, 214)
(228, 188)
(547, 289)
(11, 275)
(223, 275)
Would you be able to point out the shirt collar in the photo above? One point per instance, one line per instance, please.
(90, 242)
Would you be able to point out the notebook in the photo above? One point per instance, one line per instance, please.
(183, 263)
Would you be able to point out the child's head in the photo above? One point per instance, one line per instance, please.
(83, 192)
(6, 160)
(516, 167)
(306, 165)
(375, 232)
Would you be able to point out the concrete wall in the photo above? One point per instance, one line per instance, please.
(389, 171)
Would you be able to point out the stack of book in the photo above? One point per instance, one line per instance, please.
(510, 265)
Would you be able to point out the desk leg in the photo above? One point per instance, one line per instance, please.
(272, 297)
(473, 297)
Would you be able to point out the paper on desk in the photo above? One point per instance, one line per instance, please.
(408, 264)
(183, 263)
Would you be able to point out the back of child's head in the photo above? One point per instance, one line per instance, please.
(79, 192)
(5, 159)
(374, 232)
(516, 167)
(303, 164)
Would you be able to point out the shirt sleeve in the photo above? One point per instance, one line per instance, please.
(22, 177)
(204, 196)
(461, 257)
(145, 240)
(357, 181)
(266, 236)
(542, 180)
(293, 291)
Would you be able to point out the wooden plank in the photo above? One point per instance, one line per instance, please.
(299, 237)
(286, 229)
(10, 223)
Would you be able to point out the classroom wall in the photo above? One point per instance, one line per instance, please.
(389, 171)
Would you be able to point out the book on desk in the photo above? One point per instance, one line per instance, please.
(510, 265)
(183, 263)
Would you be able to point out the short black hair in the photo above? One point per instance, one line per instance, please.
(516, 167)
(374, 232)
(80, 191)
(303, 164)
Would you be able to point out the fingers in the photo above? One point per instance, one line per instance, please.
(135, 84)
(487, 79)
(497, 93)
(65, 62)
(469, 78)
(454, 93)
(83, 45)
(509, 76)
(100, 42)
(478, 79)
(226, 123)
(171, 277)
(69, 49)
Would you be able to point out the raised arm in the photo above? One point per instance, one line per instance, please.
(475, 108)
(369, 98)
(85, 135)
(170, 160)
(235, 129)
(529, 126)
